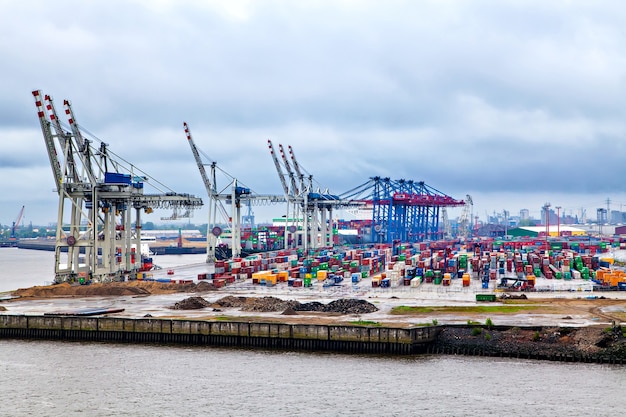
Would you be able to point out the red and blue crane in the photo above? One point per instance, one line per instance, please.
(402, 210)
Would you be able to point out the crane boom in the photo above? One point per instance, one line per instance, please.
(16, 224)
(278, 169)
(49, 141)
(296, 166)
(81, 143)
(196, 155)
(64, 139)
(292, 178)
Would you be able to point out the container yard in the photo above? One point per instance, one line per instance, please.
(488, 266)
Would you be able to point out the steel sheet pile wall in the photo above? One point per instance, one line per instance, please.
(265, 335)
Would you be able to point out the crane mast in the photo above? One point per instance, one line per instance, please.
(210, 189)
(55, 164)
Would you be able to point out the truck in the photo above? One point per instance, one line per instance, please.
(514, 284)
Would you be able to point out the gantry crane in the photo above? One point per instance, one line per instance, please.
(236, 196)
(101, 198)
(465, 219)
(212, 231)
(316, 206)
(402, 210)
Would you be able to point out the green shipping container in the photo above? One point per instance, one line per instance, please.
(486, 297)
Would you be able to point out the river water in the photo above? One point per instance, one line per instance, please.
(42, 378)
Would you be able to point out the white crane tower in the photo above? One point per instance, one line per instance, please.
(236, 196)
(97, 237)
(466, 217)
(312, 209)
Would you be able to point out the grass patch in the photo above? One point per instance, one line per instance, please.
(366, 323)
(502, 309)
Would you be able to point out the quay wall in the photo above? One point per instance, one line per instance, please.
(353, 339)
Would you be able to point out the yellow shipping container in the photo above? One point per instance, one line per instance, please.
(260, 274)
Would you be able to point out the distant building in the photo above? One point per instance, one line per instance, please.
(524, 214)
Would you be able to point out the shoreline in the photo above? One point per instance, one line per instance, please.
(563, 326)
(562, 344)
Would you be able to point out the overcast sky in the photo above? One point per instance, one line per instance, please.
(515, 103)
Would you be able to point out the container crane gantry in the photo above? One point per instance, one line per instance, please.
(96, 237)
(316, 206)
(235, 198)
(402, 210)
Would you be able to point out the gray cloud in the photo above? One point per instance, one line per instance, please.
(481, 98)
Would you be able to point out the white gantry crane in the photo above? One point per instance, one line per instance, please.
(101, 198)
(313, 210)
(232, 194)
(466, 218)
(212, 232)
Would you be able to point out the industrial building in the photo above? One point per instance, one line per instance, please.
(539, 231)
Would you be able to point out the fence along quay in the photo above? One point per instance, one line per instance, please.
(351, 339)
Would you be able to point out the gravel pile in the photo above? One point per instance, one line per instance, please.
(191, 303)
(350, 306)
(312, 306)
(272, 304)
(231, 301)
(268, 304)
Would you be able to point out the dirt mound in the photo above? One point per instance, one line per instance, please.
(191, 303)
(268, 304)
(231, 301)
(203, 286)
(272, 304)
(312, 306)
(350, 306)
(289, 312)
(106, 289)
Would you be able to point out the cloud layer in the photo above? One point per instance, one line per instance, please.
(515, 103)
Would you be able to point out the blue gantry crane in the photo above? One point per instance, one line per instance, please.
(402, 210)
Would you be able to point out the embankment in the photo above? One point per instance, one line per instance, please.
(353, 339)
(567, 344)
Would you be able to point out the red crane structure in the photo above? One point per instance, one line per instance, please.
(15, 225)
